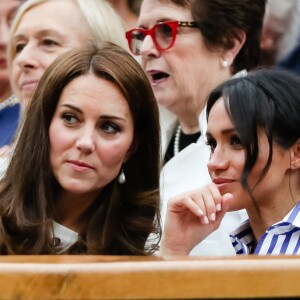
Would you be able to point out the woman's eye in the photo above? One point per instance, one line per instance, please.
(20, 47)
(69, 118)
(48, 42)
(212, 144)
(110, 127)
(235, 140)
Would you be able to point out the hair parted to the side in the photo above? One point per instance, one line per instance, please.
(221, 20)
(123, 216)
(266, 99)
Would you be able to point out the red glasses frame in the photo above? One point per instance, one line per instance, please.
(172, 24)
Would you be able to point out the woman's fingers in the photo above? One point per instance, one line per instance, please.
(188, 215)
(184, 202)
(209, 200)
(204, 203)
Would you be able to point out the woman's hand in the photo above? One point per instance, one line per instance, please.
(191, 217)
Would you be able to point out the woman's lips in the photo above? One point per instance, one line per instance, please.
(80, 166)
(29, 84)
(156, 77)
(223, 183)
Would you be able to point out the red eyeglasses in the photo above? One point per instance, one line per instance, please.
(163, 35)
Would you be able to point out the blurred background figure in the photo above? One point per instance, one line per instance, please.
(128, 10)
(280, 42)
(188, 48)
(44, 29)
(9, 108)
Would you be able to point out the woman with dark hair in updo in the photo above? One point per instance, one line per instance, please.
(254, 138)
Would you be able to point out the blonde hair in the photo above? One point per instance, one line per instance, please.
(101, 19)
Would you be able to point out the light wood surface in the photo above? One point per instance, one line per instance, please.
(116, 277)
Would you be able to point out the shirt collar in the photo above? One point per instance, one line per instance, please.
(243, 239)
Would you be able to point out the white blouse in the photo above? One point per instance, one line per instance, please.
(65, 237)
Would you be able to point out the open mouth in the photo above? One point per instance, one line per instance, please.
(157, 77)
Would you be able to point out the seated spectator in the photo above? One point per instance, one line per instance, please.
(280, 42)
(9, 106)
(85, 173)
(254, 136)
(42, 30)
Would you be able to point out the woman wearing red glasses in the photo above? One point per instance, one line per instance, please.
(187, 48)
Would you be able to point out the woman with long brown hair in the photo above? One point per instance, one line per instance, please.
(85, 172)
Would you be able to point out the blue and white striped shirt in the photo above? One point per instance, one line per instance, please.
(281, 238)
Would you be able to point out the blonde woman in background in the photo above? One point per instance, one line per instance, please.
(44, 29)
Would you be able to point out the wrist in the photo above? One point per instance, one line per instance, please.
(172, 250)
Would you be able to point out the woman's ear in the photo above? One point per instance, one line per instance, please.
(295, 155)
(229, 55)
(131, 150)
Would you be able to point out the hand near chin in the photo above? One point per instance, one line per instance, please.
(191, 217)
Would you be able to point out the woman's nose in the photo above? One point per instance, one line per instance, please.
(27, 57)
(218, 160)
(148, 47)
(85, 142)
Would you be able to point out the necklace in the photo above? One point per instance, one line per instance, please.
(11, 101)
(177, 140)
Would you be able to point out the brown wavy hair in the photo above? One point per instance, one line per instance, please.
(122, 217)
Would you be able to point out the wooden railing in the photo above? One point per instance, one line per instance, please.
(116, 277)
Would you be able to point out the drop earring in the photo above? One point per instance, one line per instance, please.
(122, 178)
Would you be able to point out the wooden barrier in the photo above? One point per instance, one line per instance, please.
(117, 277)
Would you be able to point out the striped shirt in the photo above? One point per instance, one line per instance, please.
(281, 238)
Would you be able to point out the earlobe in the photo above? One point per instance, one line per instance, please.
(295, 155)
(230, 54)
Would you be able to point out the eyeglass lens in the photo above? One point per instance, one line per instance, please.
(162, 35)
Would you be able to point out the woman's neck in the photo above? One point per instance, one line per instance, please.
(189, 125)
(70, 209)
(268, 216)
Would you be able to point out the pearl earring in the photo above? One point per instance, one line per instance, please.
(224, 63)
(122, 178)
